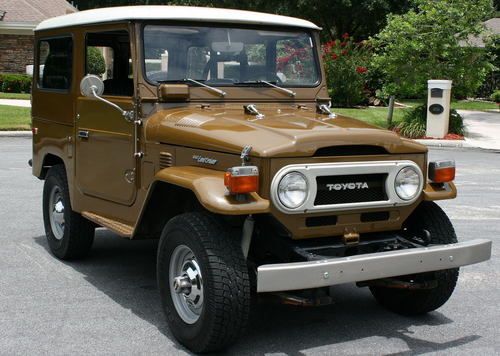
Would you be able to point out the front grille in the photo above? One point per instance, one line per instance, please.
(343, 189)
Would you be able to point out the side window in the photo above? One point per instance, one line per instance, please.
(55, 61)
(108, 57)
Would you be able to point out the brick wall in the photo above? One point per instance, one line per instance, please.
(16, 52)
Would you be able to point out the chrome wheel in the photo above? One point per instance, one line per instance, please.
(56, 212)
(186, 284)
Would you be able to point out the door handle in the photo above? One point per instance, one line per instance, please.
(83, 134)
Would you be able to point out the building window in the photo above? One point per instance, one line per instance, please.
(55, 60)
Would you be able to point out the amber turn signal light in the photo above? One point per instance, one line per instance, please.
(242, 179)
(442, 171)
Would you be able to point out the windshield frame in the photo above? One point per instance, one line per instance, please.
(307, 31)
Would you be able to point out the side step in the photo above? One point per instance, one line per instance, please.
(117, 227)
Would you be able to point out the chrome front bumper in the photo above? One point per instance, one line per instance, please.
(328, 272)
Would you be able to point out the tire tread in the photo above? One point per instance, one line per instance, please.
(430, 216)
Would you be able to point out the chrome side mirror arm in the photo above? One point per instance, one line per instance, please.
(93, 86)
(128, 115)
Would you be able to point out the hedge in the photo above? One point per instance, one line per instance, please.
(15, 83)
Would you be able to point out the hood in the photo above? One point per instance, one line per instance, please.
(283, 132)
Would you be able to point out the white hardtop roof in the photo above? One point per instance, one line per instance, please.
(179, 13)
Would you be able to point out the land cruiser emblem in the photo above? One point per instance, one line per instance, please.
(206, 160)
(347, 186)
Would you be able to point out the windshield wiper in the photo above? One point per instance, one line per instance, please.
(218, 91)
(288, 91)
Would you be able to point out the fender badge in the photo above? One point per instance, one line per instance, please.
(205, 160)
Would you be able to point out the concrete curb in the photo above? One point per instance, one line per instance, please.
(445, 143)
(15, 134)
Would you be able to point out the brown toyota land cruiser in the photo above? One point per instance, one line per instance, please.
(211, 130)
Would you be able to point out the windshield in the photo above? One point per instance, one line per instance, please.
(229, 56)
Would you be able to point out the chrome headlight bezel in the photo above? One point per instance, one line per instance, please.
(287, 180)
(409, 176)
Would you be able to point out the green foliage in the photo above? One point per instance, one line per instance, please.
(15, 83)
(95, 61)
(346, 68)
(492, 81)
(496, 96)
(424, 43)
(335, 16)
(414, 122)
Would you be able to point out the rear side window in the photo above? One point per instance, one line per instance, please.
(55, 61)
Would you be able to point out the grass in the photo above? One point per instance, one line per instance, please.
(18, 118)
(15, 96)
(14, 118)
(375, 116)
(459, 104)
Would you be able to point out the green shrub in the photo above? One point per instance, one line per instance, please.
(414, 122)
(95, 61)
(15, 83)
(346, 66)
(427, 42)
(495, 96)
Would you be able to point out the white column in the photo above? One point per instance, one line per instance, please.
(438, 108)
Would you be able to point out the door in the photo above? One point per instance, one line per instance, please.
(105, 163)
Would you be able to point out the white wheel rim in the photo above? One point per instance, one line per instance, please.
(56, 212)
(186, 284)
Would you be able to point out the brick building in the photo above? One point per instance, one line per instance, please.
(18, 18)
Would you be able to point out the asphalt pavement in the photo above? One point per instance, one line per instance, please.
(109, 304)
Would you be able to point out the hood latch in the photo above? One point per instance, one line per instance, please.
(251, 109)
(245, 152)
(322, 108)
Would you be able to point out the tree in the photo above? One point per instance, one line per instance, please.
(430, 42)
(361, 19)
(95, 61)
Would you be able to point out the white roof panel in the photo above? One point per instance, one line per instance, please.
(179, 13)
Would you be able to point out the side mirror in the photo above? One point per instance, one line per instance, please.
(92, 86)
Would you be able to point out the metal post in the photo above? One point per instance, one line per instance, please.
(391, 111)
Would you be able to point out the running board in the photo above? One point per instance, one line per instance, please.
(117, 227)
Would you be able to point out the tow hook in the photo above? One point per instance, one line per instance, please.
(423, 238)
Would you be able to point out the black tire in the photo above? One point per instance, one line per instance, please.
(226, 285)
(78, 233)
(431, 217)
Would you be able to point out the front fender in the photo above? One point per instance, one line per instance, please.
(208, 186)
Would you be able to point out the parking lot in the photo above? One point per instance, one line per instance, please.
(109, 304)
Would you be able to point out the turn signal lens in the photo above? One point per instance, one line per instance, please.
(442, 171)
(242, 179)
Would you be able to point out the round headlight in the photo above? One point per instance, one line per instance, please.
(293, 190)
(407, 183)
